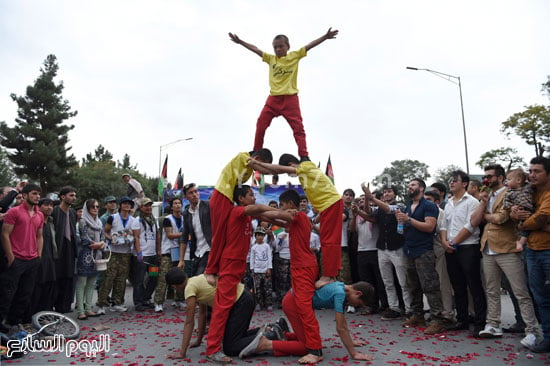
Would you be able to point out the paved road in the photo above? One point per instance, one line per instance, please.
(146, 338)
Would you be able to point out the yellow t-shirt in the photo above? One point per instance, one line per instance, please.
(199, 287)
(317, 186)
(283, 72)
(235, 172)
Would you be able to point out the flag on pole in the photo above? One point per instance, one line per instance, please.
(162, 178)
(179, 181)
(328, 170)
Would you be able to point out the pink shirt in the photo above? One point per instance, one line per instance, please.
(25, 227)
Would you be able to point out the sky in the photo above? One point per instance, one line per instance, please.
(144, 74)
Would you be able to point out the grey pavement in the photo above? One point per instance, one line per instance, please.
(145, 339)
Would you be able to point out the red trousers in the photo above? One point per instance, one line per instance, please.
(220, 208)
(287, 106)
(230, 274)
(331, 238)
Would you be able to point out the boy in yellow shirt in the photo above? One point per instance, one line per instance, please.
(283, 96)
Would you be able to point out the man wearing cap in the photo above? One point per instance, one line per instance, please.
(110, 208)
(149, 243)
(122, 232)
(196, 228)
(135, 191)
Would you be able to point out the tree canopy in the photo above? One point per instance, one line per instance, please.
(37, 144)
(400, 173)
(508, 157)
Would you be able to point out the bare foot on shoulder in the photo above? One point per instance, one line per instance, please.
(212, 279)
(324, 280)
(310, 359)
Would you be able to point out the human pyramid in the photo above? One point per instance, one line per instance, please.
(232, 206)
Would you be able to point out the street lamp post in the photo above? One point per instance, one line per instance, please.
(449, 78)
(166, 145)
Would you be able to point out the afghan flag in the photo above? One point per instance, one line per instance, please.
(163, 176)
(328, 171)
(259, 181)
(179, 181)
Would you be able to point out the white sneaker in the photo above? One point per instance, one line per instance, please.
(120, 308)
(490, 332)
(178, 304)
(158, 308)
(351, 309)
(100, 310)
(529, 341)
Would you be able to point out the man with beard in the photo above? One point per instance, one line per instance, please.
(419, 221)
(22, 244)
(64, 218)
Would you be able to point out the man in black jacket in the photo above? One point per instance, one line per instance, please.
(197, 230)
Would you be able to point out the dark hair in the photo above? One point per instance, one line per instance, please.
(465, 178)
(187, 187)
(367, 292)
(45, 201)
(264, 155)
(499, 170)
(433, 194)
(545, 162)
(66, 190)
(420, 181)
(287, 159)
(303, 197)
(240, 191)
(175, 276)
(378, 194)
(349, 190)
(283, 37)
(29, 187)
(174, 200)
(290, 195)
(392, 187)
(273, 201)
(89, 202)
(440, 187)
(474, 183)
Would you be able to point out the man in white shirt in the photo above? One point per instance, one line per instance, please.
(460, 239)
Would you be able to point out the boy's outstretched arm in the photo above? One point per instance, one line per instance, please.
(267, 168)
(329, 35)
(249, 46)
(345, 337)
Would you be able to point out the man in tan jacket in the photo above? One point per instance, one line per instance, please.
(498, 245)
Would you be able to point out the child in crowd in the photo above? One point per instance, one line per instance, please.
(519, 194)
(283, 95)
(261, 265)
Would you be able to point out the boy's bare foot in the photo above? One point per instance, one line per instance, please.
(212, 279)
(310, 359)
(324, 280)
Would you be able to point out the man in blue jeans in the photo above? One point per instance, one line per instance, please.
(537, 253)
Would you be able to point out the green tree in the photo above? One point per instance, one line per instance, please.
(505, 156)
(7, 176)
(37, 144)
(100, 154)
(532, 125)
(546, 87)
(444, 174)
(400, 173)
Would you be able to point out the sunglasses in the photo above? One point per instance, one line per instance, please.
(488, 176)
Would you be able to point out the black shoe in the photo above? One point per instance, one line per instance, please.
(477, 329)
(275, 333)
(391, 315)
(283, 325)
(304, 158)
(516, 328)
(542, 347)
(459, 326)
(141, 308)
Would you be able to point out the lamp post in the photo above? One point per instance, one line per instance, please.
(450, 79)
(166, 145)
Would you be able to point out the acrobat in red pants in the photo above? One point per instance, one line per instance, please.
(287, 106)
(298, 308)
(331, 238)
(221, 207)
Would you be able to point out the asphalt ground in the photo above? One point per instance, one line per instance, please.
(146, 338)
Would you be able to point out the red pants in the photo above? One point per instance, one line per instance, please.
(230, 274)
(331, 238)
(301, 316)
(287, 106)
(220, 208)
(303, 286)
